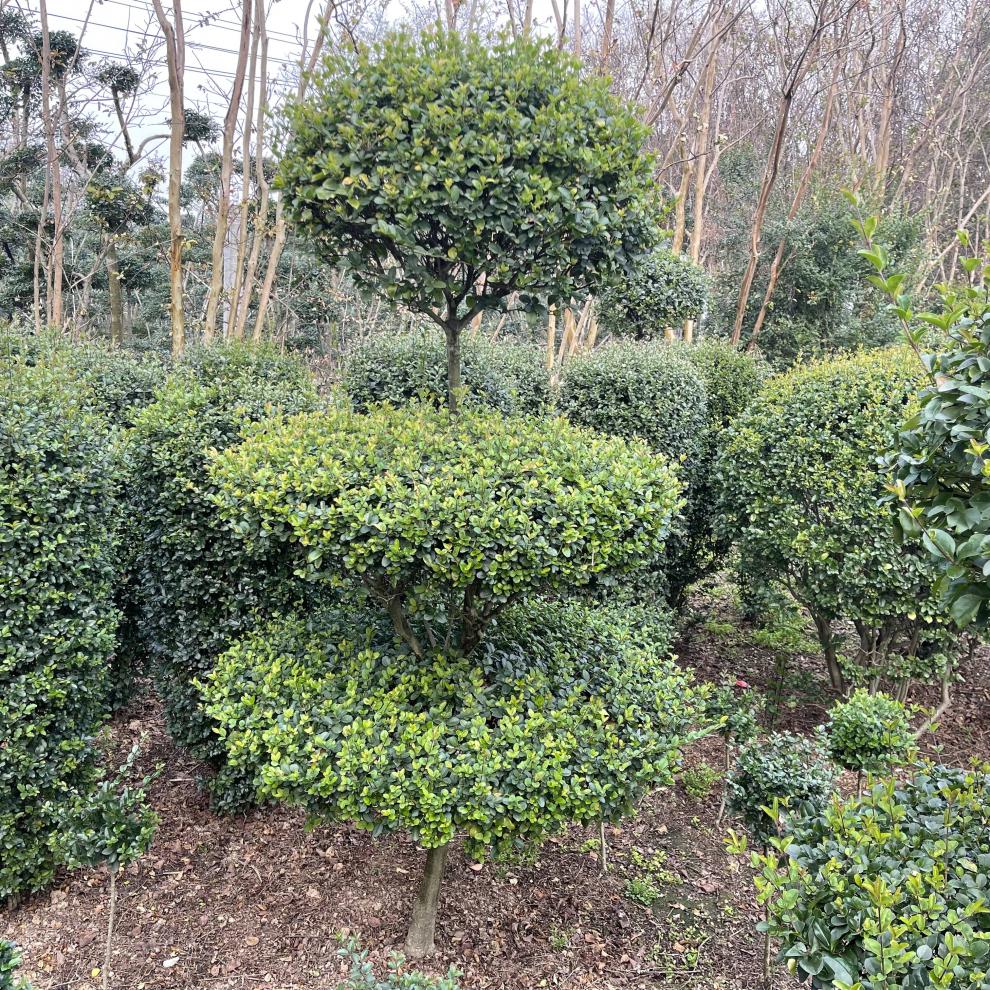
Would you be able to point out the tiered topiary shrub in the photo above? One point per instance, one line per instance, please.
(195, 586)
(888, 890)
(802, 492)
(57, 616)
(646, 391)
(445, 698)
(505, 375)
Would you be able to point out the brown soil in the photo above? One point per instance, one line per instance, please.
(257, 900)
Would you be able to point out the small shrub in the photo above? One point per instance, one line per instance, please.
(505, 375)
(663, 291)
(10, 961)
(363, 976)
(643, 891)
(58, 620)
(888, 890)
(783, 770)
(698, 781)
(869, 733)
(195, 586)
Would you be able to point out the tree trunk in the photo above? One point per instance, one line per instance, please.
(422, 926)
(824, 629)
(116, 296)
(453, 334)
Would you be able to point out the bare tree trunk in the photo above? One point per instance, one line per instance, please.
(215, 291)
(175, 55)
(422, 926)
(116, 295)
(452, 332)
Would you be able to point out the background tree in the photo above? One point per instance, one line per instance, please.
(453, 205)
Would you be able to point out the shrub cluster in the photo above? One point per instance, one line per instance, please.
(195, 588)
(505, 375)
(57, 616)
(801, 490)
(889, 890)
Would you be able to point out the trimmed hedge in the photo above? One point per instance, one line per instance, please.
(196, 587)
(801, 490)
(562, 715)
(505, 375)
(57, 616)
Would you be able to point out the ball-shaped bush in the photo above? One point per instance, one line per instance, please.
(789, 769)
(505, 375)
(195, 585)
(889, 890)
(563, 715)
(57, 616)
(663, 290)
(869, 733)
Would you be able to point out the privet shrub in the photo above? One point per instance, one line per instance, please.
(506, 375)
(195, 585)
(663, 290)
(790, 770)
(647, 391)
(57, 617)
(869, 733)
(801, 491)
(473, 707)
(889, 890)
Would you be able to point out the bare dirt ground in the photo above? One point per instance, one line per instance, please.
(258, 901)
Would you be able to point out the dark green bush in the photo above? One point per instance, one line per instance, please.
(560, 715)
(791, 770)
(801, 491)
(869, 732)
(10, 961)
(732, 378)
(57, 617)
(509, 376)
(663, 291)
(195, 585)
(889, 890)
(648, 390)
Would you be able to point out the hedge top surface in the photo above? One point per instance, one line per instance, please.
(490, 506)
(447, 172)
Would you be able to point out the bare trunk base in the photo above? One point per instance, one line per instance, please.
(422, 926)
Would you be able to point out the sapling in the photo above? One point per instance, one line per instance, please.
(733, 708)
(111, 826)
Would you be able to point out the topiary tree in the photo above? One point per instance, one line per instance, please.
(57, 616)
(453, 175)
(441, 524)
(194, 586)
(801, 489)
(648, 391)
(887, 890)
(561, 714)
(111, 826)
(506, 375)
(663, 290)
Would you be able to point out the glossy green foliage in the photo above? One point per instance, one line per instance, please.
(733, 379)
(10, 961)
(505, 375)
(195, 585)
(649, 391)
(448, 173)
(562, 714)
(112, 825)
(891, 890)
(801, 491)
(869, 733)
(362, 975)
(733, 708)
(57, 617)
(782, 771)
(662, 291)
(460, 515)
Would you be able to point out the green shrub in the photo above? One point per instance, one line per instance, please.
(648, 391)
(10, 961)
(558, 716)
(508, 376)
(801, 490)
(363, 977)
(195, 586)
(57, 617)
(889, 890)
(784, 769)
(732, 708)
(869, 733)
(733, 379)
(663, 290)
